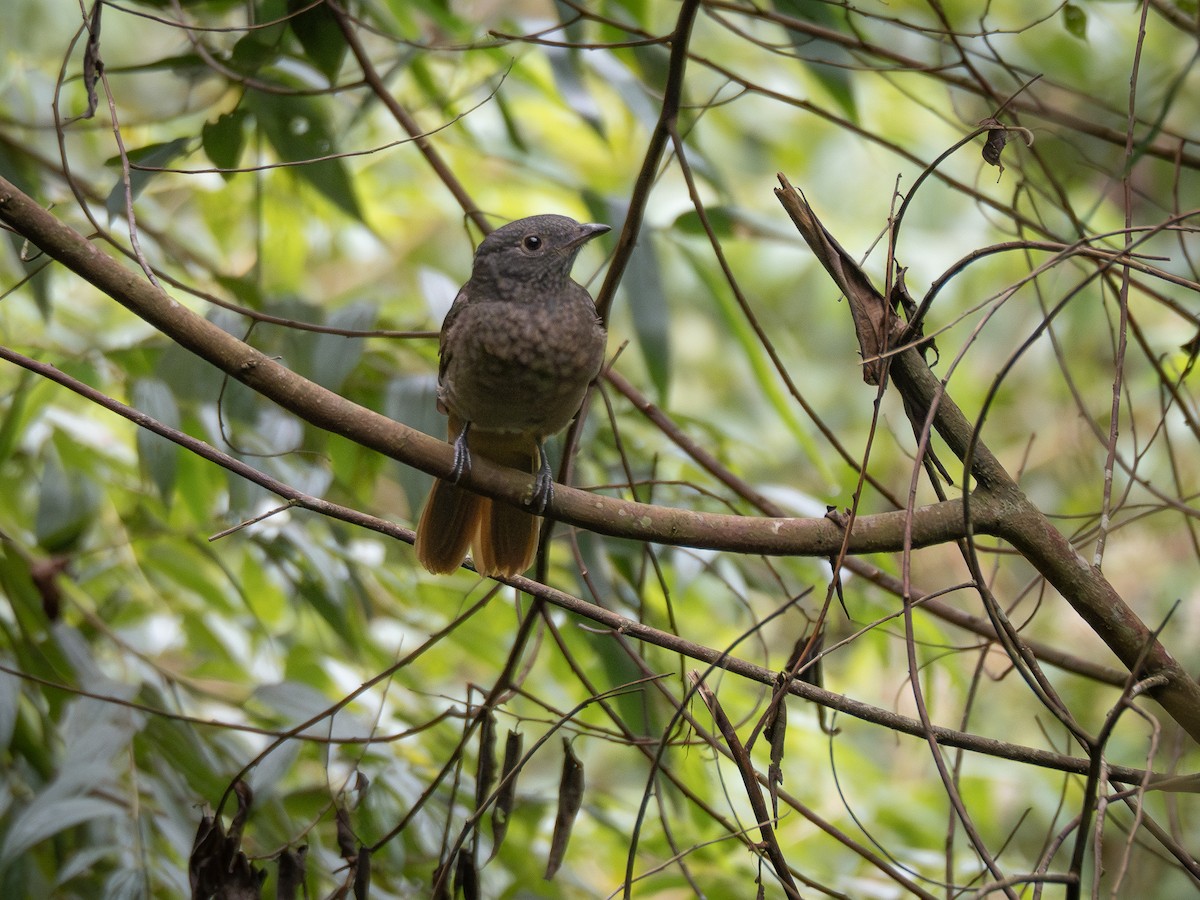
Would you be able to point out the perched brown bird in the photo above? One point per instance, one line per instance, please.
(519, 348)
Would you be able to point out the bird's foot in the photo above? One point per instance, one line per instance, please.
(462, 456)
(543, 485)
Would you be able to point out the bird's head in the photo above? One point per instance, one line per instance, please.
(538, 251)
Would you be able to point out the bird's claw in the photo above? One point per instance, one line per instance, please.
(543, 485)
(543, 492)
(462, 456)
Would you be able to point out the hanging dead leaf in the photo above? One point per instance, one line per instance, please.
(362, 873)
(570, 799)
(466, 877)
(217, 867)
(289, 881)
(506, 797)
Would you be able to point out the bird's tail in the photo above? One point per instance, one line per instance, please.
(503, 539)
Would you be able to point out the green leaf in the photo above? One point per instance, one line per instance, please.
(153, 156)
(836, 81)
(213, 6)
(334, 356)
(159, 457)
(435, 15)
(224, 139)
(189, 66)
(254, 51)
(27, 634)
(10, 694)
(14, 417)
(66, 506)
(179, 742)
(512, 123)
(1075, 21)
(412, 399)
(643, 285)
(17, 169)
(126, 884)
(45, 818)
(821, 57)
(319, 35)
(572, 24)
(299, 131)
(721, 218)
(93, 733)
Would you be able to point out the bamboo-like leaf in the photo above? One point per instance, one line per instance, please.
(152, 156)
(67, 504)
(159, 457)
(643, 286)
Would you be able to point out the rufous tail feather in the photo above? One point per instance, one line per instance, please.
(503, 539)
(448, 523)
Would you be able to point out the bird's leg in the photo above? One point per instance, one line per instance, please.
(543, 483)
(462, 455)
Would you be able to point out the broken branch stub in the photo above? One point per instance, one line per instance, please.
(870, 311)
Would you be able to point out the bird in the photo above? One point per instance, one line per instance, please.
(518, 349)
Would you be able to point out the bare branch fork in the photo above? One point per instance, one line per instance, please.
(1009, 513)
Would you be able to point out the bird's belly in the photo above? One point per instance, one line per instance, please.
(522, 383)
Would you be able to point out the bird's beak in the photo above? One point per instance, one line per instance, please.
(589, 231)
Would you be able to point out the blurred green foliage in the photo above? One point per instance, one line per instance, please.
(145, 666)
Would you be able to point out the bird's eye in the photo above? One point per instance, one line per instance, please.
(532, 242)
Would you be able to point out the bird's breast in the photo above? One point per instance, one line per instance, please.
(520, 366)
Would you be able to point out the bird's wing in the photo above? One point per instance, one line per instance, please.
(460, 302)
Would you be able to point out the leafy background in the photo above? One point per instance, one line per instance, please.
(148, 665)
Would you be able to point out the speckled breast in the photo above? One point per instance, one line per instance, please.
(523, 367)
